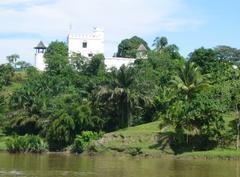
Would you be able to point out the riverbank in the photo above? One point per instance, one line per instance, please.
(59, 165)
(148, 141)
(144, 141)
(225, 154)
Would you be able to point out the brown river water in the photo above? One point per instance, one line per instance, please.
(59, 165)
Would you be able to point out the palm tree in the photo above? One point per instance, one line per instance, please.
(12, 59)
(160, 43)
(121, 92)
(189, 80)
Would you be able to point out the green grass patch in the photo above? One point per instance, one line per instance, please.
(143, 138)
(148, 138)
(216, 153)
(144, 128)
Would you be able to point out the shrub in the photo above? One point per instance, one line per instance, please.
(133, 151)
(16, 144)
(82, 141)
(35, 144)
(60, 133)
(27, 143)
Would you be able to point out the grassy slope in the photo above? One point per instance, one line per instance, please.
(144, 136)
(218, 153)
(148, 138)
(215, 153)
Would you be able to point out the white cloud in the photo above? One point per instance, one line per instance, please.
(121, 19)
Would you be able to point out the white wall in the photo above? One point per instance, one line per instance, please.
(95, 43)
(118, 62)
(39, 61)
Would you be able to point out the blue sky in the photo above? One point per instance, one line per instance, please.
(189, 24)
(220, 26)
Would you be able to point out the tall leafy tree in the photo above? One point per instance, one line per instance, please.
(160, 43)
(120, 92)
(228, 53)
(78, 61)
(56, 57)
(95, 66)
(206, 59)
(6, 74)
(67, 116)
(128, 47)
(235, 99)
(189, 81)
(12, 59)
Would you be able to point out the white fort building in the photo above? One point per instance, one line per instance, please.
(88, 45)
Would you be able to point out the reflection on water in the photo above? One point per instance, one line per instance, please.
(58, 165)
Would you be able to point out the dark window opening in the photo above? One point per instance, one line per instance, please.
(84, 44)
(90, 55)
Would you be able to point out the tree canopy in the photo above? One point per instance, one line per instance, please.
(128, 47)
(189, 97)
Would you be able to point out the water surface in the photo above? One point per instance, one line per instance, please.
(58, 165)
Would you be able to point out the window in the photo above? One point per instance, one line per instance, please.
(84, 44)
(90, 55)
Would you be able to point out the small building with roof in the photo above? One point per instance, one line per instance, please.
(39, 56)
(88, 46)
(141, 52)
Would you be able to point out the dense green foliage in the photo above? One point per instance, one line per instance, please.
(228, 53)
(128, 47)
(81, 142)
(189, 97)
(6, 74)
(27, 143)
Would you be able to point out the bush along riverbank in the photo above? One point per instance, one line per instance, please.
(142, 141)
(27, 143)
(148, 141)
(82, 142)
(35, 144)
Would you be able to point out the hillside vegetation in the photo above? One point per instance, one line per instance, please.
(163, 103)
(144, 138)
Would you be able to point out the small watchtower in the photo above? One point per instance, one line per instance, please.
(141, 52)
(39, 56)
(40, 48)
